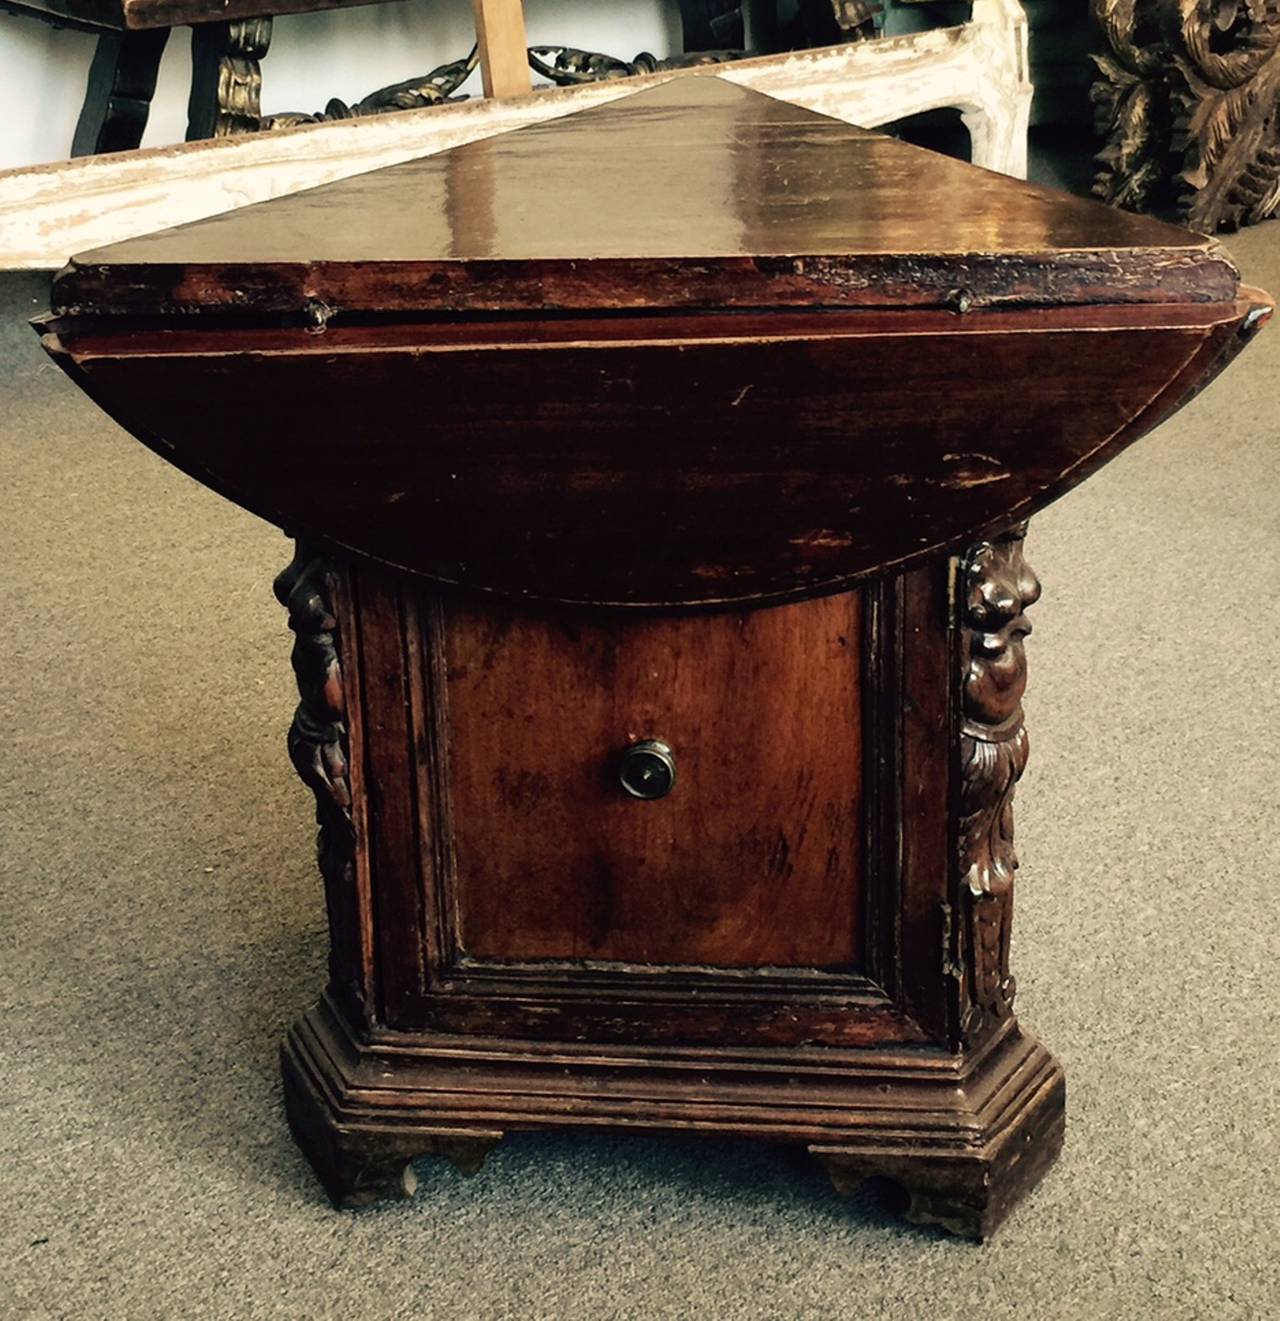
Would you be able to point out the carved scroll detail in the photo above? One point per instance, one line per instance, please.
(1188, 101)
(317, 740)
(226, 77)
(567, 67)
(996, 585)
(1227, 111)
(432, 89)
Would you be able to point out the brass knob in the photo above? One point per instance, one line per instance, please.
(647, 770)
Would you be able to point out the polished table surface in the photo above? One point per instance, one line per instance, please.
(799, 291)
(551, 416)
(694, 194)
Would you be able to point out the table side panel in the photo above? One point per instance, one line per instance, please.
(669, 468)
(468, 852)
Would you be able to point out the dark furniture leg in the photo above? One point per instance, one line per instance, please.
(712, 24)
(122, 80)
(360, 1164)
(968, 1194)
(226, 78)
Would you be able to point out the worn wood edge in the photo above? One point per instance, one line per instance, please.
(356, 1038)
(89, 336)
(357, 1172)
(965, 1143)
(957, 1105)
(958, 281)
(971, 1193)
(50, 212)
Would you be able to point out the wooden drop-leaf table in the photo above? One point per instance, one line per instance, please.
(659, 477)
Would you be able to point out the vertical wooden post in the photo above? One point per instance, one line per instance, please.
(504, 58)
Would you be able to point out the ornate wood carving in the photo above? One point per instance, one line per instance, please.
(1228, 106)
(995, 587)
(1188, 101)
(318, 742)
(1130, 115)
(226, 77)
(433, 89)
(566, 66)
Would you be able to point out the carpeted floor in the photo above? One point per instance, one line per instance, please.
(162, 923)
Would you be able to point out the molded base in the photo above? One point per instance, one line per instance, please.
(966, 1136)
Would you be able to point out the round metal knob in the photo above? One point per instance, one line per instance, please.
(647, 770)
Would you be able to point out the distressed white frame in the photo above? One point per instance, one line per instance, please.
(50, 212)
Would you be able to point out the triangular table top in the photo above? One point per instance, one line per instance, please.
(696, 192)
(697, 347)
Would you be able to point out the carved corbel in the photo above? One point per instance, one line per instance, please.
(317, 741)
(995, 586)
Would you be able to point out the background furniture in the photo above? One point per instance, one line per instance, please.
(662, 699)
(228, 40)
(1188, 104)
(49, 212)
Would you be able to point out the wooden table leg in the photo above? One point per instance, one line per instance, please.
(122, 81)
(226, 78)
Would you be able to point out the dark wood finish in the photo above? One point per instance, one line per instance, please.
(798, 465)
(966, 1192)
(554, 472)
(359, 1167)
(753, 861)
(122, 81)
(994, 585)
(139, 15)
(319, 750)
(683, 195)
(770, 927)
(966, 1137)
(758, 377)
(49, 14)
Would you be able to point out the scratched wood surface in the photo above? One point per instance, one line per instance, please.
(648, 462)
(695, 192)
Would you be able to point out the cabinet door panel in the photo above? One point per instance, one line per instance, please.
(755, 858)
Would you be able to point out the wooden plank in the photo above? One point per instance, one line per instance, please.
(504, 60)
(50, 212)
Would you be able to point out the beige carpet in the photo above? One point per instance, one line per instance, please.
(162, 923)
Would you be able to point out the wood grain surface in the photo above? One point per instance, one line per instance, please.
(697, 460)
(755, 857)
(696, 192)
